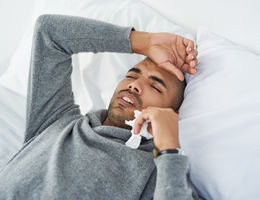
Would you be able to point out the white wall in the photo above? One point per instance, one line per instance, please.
(15, 15)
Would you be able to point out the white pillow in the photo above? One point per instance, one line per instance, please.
(91, 94)
(238, 26)
(220, 120)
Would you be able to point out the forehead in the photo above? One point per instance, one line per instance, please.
(149, 68)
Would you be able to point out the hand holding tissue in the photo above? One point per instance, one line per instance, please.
(135, 140)
(164, 128)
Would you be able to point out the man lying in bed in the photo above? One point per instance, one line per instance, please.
(70, 156)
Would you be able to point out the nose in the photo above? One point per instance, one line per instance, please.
(135, 86)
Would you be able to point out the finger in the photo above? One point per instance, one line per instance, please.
(188, 69)
(194, 52)
(194, 63)
(173, 70)
(189, 45)
(191, 56)
(139, 122)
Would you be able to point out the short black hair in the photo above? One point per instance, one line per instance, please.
(179, 95)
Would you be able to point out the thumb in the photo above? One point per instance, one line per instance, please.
(173, 70)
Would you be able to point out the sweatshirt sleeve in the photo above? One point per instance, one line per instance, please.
(172, 181)
(56, 38)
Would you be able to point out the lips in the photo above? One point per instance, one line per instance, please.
(127, 99)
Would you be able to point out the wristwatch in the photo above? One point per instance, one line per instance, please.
(157, 153)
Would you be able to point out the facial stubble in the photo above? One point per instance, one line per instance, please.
(118, 113)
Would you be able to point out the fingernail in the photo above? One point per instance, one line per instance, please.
(189, 49)
(191, 57)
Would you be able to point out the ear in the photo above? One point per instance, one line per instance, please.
(176, 111)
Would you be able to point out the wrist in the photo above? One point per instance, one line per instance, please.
(139, 42)
(157, 153)
(169, 146)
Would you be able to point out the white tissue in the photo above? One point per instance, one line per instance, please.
(135, 140)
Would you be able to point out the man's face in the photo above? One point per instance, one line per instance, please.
(144, 85)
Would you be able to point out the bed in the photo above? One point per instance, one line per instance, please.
(220, 116)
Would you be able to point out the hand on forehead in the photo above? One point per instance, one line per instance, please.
(147, 66)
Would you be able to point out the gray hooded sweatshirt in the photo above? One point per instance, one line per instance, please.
(67, 155)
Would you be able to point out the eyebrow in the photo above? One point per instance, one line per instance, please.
(155, 78)
(135, 70)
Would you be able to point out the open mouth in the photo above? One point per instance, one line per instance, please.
(126, 102)
(126, 99)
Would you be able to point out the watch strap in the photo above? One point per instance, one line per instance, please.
(157, 153)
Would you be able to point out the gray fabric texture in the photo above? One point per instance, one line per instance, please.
(67, 155)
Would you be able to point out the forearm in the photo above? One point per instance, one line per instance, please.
(76, 34)
(171, 182)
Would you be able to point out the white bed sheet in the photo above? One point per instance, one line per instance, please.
(12, 121)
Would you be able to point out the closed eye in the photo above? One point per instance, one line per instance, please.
(130, 77)
(151, 85)
(156, 89)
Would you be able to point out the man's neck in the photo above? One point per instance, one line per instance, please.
(107, 122)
